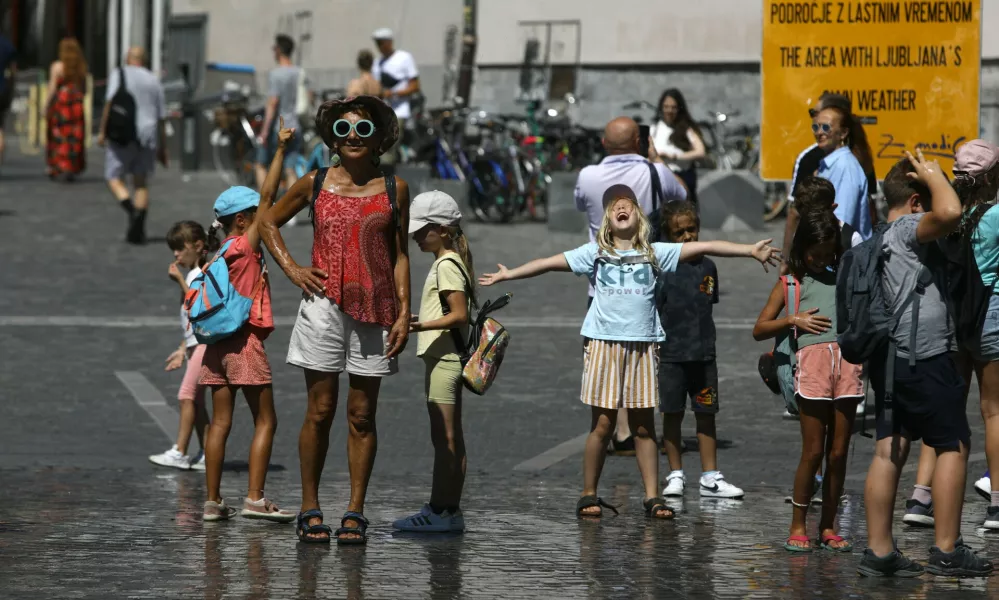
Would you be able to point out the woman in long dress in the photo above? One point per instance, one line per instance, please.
(65, 154)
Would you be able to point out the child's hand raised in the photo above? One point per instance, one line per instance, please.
(926, 170)
(766, 254)
(492, 278)
(809, 322)
(284, 135)
(174, 273)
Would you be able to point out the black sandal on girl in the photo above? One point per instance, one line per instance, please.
(654, 505)
(589, 502)
(305, 531)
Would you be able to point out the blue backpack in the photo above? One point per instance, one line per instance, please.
(215, 308)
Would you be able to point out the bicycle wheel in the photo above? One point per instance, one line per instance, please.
(488, 194)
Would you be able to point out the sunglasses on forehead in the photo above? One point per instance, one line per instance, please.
(363, 128)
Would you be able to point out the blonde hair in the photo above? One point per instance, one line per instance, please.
(605, 236)
(73, 63)
(460, 245)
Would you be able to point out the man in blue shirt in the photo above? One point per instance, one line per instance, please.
(8, 68)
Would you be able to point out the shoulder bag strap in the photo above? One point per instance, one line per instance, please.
(317, 186)
(459, 344)
(657, 187)
(121, 72)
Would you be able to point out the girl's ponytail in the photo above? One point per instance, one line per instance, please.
(461, 247)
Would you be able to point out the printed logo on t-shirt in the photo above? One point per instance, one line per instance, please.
(708, 285)
(616, 280)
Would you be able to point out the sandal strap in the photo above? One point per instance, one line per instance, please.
(354, 516)
(654, 505)
(833, 538)
(590, 501)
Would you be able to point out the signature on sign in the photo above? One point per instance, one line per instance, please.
(944, 148)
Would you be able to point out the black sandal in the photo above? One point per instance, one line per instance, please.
(654, 505)
(360, 530)
(589, 502)
(305, 530)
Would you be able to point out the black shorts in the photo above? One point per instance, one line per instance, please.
(696, 380)
(929, 402)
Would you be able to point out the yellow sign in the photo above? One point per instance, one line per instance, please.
(911, 69)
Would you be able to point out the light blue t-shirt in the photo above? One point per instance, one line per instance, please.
(843, 170)
(985, 243)
(624, 307)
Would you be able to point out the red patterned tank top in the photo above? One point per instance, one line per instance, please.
(351, 244)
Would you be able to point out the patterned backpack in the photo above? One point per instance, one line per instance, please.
(215, 308)
(482, 355)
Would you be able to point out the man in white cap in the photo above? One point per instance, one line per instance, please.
(396, 71)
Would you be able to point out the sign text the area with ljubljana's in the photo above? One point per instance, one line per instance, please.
(910, 68)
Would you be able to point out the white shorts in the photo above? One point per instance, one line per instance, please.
(326, 340)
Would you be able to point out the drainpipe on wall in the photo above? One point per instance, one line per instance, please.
(468, 42)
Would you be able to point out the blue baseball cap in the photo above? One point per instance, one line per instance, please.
(236, 199)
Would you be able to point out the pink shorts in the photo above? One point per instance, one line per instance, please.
(190, 389)
(239, 359)
(822, 374)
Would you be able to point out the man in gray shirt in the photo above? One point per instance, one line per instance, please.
(282, 97)
(138, 157)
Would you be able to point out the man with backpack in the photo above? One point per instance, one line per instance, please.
(133, 131)
(396, 71)
(893, 311)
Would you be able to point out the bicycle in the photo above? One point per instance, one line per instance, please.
(234, 138)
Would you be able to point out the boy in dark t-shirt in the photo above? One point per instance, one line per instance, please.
(687, 358)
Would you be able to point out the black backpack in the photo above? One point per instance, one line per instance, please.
(121, 128)
(864, 324)
(965, 292)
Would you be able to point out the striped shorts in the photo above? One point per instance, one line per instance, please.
(620, 374)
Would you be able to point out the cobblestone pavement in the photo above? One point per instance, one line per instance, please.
(83, 513)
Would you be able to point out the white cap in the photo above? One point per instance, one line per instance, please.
(434, 207)
(383, 34)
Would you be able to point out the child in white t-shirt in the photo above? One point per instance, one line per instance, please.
(187, 240)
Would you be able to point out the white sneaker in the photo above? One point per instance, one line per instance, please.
(172, 458)
(198, 462)
(426, 521)
(984, 487)
(715, 486)
(788, 416)
(676, 481)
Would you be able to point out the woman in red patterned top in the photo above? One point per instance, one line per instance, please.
(354, 315)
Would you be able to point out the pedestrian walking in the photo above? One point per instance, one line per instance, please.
(927, 400)
(355, 313)
(365, 83)
(8, 71)
(687, 367)
(677, 139)
(282, 100)
(400, 80)
(239, 362)
(827, 387)
(624, 165)
(442, 326)
(65, 155)
(135, 137)
(622, 330)
(976, 181)
(188, 241)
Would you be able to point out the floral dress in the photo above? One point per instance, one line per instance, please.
(66, 129)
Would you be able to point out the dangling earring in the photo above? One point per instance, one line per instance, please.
(376, 160)
(335, 158)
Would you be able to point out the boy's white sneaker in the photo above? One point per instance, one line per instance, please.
(426, 521)
(715, 486)
(198, 462)
(984, 486)
(676, 481)
(172, 458)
